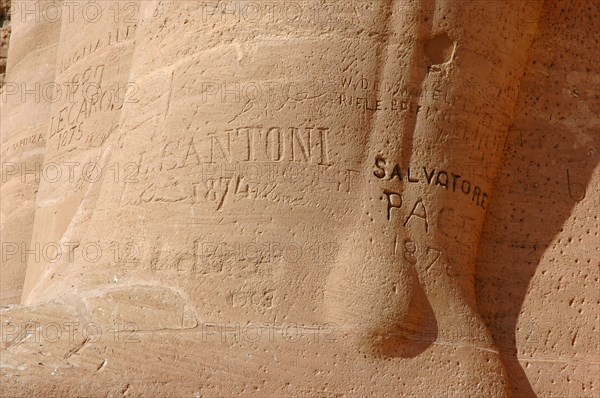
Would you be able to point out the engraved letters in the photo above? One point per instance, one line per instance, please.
(437, 178)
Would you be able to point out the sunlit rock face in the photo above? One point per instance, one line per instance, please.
(374, 198)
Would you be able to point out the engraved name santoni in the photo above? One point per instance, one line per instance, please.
(258, 144)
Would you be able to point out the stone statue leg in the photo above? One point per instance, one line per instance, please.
(25, 103)
(405, 277)
(311, 172)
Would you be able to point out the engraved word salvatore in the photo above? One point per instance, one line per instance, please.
(441, 178)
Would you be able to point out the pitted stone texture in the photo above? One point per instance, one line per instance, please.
(4, 36)
(25, 108)
(538, 272)
(309, 204)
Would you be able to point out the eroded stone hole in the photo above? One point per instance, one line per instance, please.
(439, 49)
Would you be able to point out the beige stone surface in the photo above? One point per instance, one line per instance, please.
(4, 37)
(25, 108)
(366, 198)
(538, 270)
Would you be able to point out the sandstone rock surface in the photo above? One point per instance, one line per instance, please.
(366, 198)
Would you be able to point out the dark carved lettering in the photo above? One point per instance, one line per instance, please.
(429, 176)
(396, 173)
(414, 213)
(462, 187)
(442, 181)
(380, 164)
(476, 193)
(409, 178)
(455, 178)
(390, 202)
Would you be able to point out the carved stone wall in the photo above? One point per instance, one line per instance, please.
(4, 36)
(314, 199)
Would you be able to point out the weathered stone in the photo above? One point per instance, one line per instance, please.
(374, 198)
